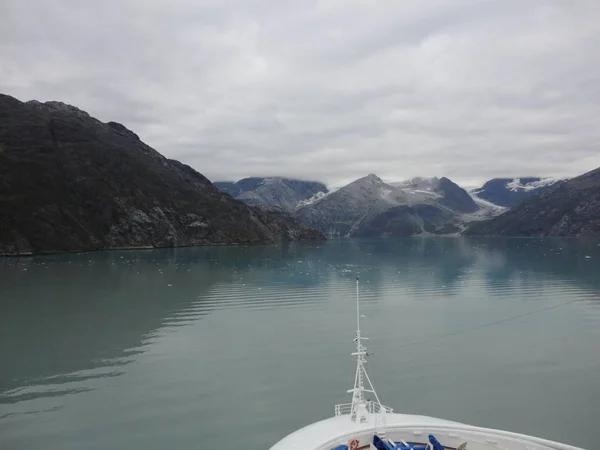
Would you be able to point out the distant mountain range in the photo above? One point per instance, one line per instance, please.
(286, 194)
(421, 206)
(371, 207)
(509, 192)
(69, 182)
(566, 208)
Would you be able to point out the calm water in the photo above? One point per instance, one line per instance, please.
(179, 348)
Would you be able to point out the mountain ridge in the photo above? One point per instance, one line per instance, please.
(369, 206)
(69, 182)
(509, 192)
(280, 192)
(566, 208)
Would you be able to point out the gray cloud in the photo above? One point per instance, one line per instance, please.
(327, 90)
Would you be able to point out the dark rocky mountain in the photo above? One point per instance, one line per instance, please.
(509, 192)
(371, 207)
(274, 192)
(455, 197)
(567, 208)
(69, 182)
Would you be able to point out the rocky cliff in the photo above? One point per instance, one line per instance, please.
(567, 208)
(69, 182)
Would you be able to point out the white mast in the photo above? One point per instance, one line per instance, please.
(359, 408)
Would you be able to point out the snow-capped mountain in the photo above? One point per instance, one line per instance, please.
(509, 192)
(426, 184)
(446, 192)
(369, 206)
(274, 192)
(568, 208)
(519, 184)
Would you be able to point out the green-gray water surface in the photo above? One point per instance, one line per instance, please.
(175, 349)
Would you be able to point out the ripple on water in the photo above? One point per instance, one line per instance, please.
(154, 349)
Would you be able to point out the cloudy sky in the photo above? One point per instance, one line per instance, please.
(328, 90)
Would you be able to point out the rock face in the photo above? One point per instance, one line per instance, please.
(275, 192)
(509, 192)
(69, 182)
(371, 207)
(568, 208)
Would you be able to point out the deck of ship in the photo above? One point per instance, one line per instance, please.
(340, 430)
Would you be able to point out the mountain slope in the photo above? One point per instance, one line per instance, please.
(228, 187)
(568, 208)
(509, 192)
(69, 182)
(345, 209)
(446, 192)
(284, 193)
(409, 220)
(371, 207)
(455, 197)
(235, 188)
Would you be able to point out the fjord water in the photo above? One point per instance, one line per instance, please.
(191, 348)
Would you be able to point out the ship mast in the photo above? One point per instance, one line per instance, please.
(360, 408)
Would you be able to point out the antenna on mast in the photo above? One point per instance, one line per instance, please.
(360, 407)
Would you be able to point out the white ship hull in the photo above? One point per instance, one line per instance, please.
(331, 433)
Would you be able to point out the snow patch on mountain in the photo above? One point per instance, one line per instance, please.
(385, 192)
(487, 210)
(425, 192)
(417, 183)
(270, 180)
(315, 198)
(485, 205)
(516, 185)
(509, 192)
(420, 189)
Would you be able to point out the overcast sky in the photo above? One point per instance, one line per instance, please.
(328, 90)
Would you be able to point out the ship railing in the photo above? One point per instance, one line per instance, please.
(343, 409)
(372, 407)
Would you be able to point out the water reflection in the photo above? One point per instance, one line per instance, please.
(102, 307)
(68, 319)
(69, 322)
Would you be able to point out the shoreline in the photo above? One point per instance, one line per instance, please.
(276, 242)
(149, 247)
